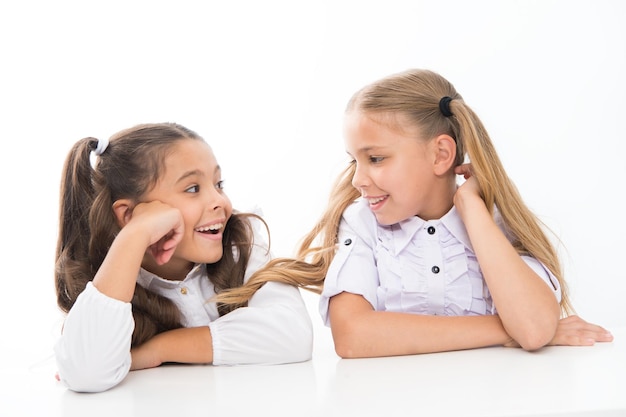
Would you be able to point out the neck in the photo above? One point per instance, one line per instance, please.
(441, 199)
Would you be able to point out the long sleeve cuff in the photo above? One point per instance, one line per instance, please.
(93, 353)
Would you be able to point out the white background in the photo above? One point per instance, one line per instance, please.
(265, 83)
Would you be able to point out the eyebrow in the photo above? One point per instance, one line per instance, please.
(367, 149)
(196, 172)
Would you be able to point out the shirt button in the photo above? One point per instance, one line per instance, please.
(431, 230)
(435, 269)
(183, 290)
(347, 242)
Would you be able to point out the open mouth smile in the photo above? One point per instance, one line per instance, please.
(376, 200)
(212, 229)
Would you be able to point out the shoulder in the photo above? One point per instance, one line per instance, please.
(359, 217)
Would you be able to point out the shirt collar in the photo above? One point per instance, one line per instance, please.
(149, 281)
(404, 231)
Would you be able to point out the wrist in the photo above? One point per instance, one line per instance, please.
(466, 202)
(147, 355)
(134, 236)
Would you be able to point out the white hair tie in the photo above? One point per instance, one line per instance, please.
(101, 147)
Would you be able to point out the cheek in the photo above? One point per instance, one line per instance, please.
(228, 207)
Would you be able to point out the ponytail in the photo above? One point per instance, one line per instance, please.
(499, 191)
(73, 270)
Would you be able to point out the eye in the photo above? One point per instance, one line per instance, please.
(193, 189)
(220, 185)
(376, 159)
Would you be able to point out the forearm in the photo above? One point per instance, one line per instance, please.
(390, 334)
(527, 307)
(117, 276)
(359, 331)
(185, 345)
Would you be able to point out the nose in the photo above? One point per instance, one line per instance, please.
(216, 200)
(359, 178)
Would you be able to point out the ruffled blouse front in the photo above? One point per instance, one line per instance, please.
(415, 266)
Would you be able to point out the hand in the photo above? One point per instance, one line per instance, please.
(464, 169)
(145, 356)
(468, 193)
(164, 225)
(470, 184)
(574, 331)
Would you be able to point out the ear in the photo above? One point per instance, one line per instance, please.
(445, 154)
(123, 210)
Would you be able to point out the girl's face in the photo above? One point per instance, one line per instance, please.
(394, 169)
(192, 182)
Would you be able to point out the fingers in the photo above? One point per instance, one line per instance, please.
(163, 250)
(164, 226)
(464, 169)
(576, 322)
(574, 331)
(576, 340)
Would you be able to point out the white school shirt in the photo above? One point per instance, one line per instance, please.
(93, 352)
(415, 266)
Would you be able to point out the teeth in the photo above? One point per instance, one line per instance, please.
(213, 227)
(376, 200)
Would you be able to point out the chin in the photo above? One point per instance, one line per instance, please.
(210, 258)
(213, 259)
(386, 221)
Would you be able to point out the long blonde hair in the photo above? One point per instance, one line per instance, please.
(416, 94)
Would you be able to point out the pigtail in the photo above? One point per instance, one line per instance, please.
(498, 190)
(153, 314)
(230, 270)
(494, 184)
(73, 269)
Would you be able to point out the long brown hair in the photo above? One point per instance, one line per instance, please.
(129, 167)
(415, 94)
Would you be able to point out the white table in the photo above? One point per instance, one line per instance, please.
(555, 381)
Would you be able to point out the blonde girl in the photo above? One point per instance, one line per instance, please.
(147, 237)
(412, 263)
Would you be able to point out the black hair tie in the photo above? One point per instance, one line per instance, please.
(444, 106)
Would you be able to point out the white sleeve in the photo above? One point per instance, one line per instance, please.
(353, 269)
(545, 274)
(93, 352)
(274, 328)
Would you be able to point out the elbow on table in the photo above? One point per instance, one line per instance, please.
(294, 338)
(345, 350)
(348, 345)
(537, 336)
(88, 379)
(89, 373)
(352, 335)
(302, 344)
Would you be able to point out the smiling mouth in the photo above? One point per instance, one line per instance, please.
(212, 229)
(373, 201)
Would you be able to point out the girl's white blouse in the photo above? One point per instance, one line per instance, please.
(93, 352)
(415, 266)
